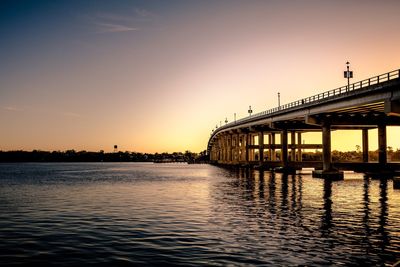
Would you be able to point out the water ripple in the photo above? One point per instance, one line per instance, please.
(190, 215)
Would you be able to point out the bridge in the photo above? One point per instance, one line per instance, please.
(372, 103)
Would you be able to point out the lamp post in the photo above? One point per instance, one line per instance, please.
(348, 74)
(226, 120)
(279, 100)
(250, 111)
(234, 116)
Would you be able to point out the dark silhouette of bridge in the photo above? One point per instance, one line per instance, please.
(368, 104)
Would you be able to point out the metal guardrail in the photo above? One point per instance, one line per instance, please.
(317, 98)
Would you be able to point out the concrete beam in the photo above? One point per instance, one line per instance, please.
(294, 125)
(312, 120)
(392, 107)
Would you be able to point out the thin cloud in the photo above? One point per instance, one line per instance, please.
(114, 17)
(111, 27)
(106, 22)
(143, 14)
(11, 108)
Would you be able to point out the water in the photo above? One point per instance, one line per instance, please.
(76, 214)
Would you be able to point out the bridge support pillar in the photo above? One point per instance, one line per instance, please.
(243, 149)
(272, 150)
(236, 149)
(284, 141)
(327, 171)
(286, 168)
(382, 157)
(225, 140)
(248, 142)
(261, 146)
(299, 153)
(229, 148)
(326, 150)
(293, 148)
(365, 146)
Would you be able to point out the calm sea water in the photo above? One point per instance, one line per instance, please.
(77, 214)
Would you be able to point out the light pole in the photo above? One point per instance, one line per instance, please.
(250, 111)
(226, 120)
(348, 74)
(279, 100)
(234, 116)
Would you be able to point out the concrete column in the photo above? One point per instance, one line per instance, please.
(365, 144)
(223, 148)
(219, 149)
(293, 143)
(326, 148)
(284, 145)
(382, 144)
(230, 148)
(251, 153)
(243, 148)
(299, 153)
(248, 136)
(237, 153)
(261, 146)
(273, 153)
(269, 147)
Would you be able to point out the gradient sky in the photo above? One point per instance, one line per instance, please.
(157, 76)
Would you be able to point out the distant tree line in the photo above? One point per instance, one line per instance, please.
(187, 156)
(352, 156)
(101, 156)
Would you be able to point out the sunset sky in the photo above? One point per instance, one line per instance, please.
(158, 76)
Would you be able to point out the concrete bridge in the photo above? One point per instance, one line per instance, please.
(364, 105)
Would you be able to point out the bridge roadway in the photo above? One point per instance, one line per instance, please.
(364, 105)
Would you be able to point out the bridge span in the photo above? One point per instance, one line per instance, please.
(372, 103)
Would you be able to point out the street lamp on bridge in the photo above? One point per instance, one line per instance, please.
(279, 100)
(348, 74)
(250, 111)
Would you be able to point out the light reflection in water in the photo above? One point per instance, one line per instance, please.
(283, 212)
(193, 215)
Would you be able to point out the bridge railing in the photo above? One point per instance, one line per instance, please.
(319, 97)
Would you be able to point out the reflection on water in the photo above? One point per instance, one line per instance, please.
(327, 221)
(145, 214)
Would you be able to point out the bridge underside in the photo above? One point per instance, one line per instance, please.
(255, 143)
